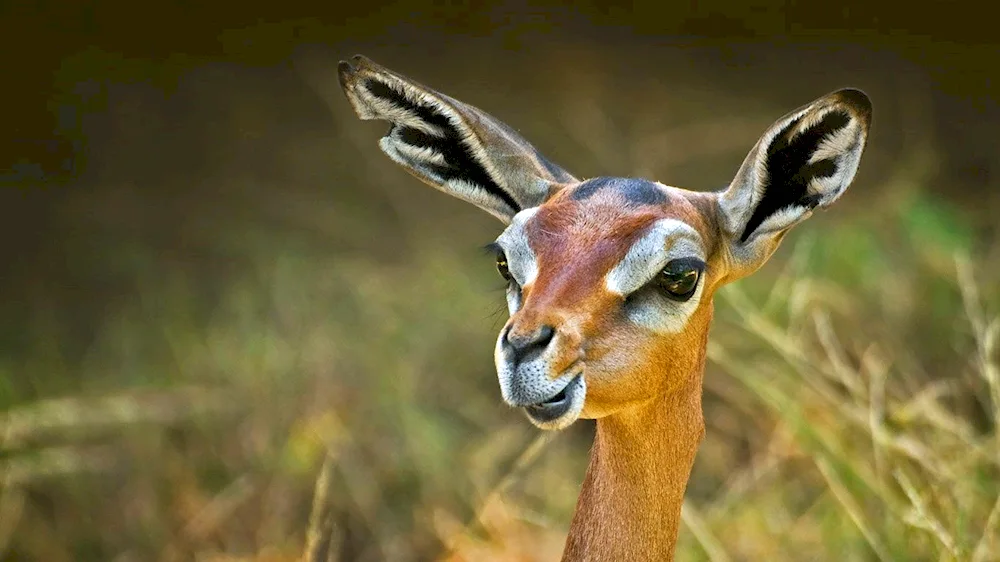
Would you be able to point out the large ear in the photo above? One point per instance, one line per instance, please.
(805, 160)
(449, 145)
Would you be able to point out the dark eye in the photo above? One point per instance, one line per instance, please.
(680, 277)
(502, 266)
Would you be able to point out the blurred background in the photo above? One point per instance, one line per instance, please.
(213, 284)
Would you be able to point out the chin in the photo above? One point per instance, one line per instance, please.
(563, 410)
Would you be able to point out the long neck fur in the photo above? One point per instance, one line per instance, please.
(630, 503)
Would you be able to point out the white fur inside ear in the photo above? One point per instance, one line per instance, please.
(782, 219)
(443, 105)
(842, 141)
(844, 147)
(416, 159)
(840, 148)
(809, 119)
(371, 106)
(450, 145)
(420, 153)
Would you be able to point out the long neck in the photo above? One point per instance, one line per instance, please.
(630, 503)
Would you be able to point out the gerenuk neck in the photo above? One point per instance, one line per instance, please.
(630, 503)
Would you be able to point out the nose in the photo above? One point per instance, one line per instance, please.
(527, 345)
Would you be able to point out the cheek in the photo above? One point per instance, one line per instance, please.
(632, 363)
(661, 315)
(621, 368)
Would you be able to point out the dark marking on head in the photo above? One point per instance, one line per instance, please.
(788, 171)
(636, 191)
(586, 189)
(643, 192)
(461, 163)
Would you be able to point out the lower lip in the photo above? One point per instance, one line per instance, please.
(555, 409)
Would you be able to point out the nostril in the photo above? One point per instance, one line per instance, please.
(545, 335)
(524, 344)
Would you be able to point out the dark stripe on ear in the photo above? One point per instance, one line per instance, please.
(462, 164)
(788, 171)
(386, 92)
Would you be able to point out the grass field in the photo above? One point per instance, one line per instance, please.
(252, 289)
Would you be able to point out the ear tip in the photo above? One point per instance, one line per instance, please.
(345, 72)
(856, 100)
(348, 69)
(359, 60)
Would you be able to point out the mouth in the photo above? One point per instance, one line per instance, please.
(560, 410)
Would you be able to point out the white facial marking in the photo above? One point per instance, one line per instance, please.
(513, 299)
(532, 382)
(666, 240)
(521, 260)
(659, 313)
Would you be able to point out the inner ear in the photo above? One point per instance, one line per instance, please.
(455, 160)
(793, 161)
(450, 145)
(804, 161)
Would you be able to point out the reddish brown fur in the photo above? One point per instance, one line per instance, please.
(645, 389)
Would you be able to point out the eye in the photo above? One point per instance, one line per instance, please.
(679, 278)
(502, 266)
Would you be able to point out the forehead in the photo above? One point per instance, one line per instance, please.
(608, 215)
(631, 191)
